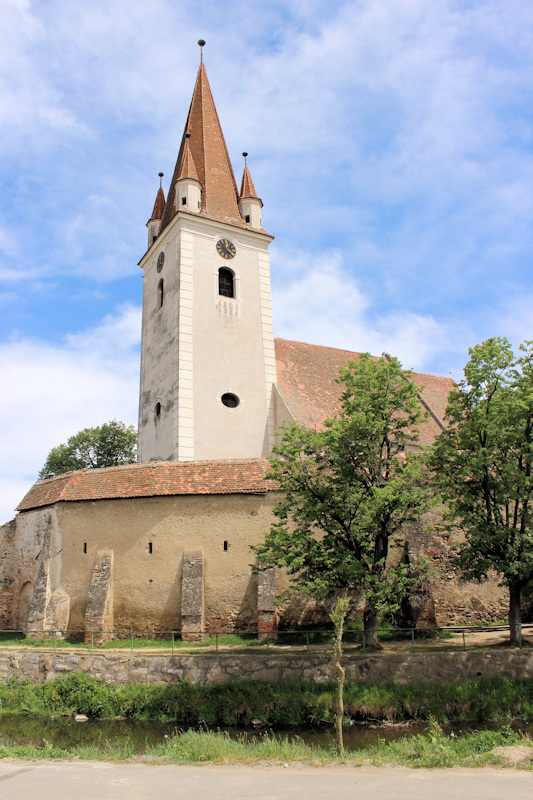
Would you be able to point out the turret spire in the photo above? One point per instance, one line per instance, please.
(250, 204)
(187, 169)
(154, 222)
(159, 205)
(247, 185)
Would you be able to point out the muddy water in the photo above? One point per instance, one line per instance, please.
(140, 736)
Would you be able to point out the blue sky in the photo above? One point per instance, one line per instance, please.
(390, 140)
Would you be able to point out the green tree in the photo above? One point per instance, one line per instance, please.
(348, 490)
(107, 445)
(483, 466)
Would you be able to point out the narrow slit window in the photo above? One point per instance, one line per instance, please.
(183, 201)
(160, 293)
(247, 218)
(157, 411)
(150, 549)
(225, 546)
(226, 282)
(85, 547)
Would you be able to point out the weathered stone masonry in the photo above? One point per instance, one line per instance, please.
(207, 668)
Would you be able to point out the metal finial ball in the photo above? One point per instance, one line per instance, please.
(187, 135)
(245, 154)
(160, 174)
(201, 42)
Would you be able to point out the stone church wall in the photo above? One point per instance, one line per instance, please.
(52, 574)
(147, 539)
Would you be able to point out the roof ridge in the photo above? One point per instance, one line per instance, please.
(152, 465)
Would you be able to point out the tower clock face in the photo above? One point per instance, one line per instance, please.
(225, 248)
(160, 261)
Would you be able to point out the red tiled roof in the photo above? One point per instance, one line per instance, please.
(306, 381)
(152, 479)
(210, 155)
(247, 185)
(159, 205)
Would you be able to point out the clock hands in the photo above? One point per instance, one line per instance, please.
(225, 248)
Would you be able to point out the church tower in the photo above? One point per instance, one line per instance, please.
(207, 356)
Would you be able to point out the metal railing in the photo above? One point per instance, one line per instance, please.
(451, 637)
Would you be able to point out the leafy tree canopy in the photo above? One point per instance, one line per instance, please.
(349, 489)
(107, 445)
(483, 465)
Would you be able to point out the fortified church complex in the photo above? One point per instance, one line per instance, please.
(164, 544)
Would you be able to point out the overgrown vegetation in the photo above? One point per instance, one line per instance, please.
(433, 749)
(297, 704)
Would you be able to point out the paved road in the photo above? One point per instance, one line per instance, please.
(102, 781)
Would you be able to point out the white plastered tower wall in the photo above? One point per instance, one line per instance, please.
(199, 345)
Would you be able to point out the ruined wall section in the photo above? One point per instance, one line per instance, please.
(455, 600)
(42, 603)
(7, 572)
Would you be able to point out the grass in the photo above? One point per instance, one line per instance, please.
(434, 749)
(297, 704)
(18, 639)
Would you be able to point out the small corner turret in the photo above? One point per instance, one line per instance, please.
(154, 222)
(250, 204)
(188, 189)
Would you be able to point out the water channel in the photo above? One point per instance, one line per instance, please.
(141, 735)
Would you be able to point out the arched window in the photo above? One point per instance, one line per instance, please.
(226, 285)
(160, 293)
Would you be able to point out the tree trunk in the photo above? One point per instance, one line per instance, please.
(370, 624)
(514, 614)
(338, 615)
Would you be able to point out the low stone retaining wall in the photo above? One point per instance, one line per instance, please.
(203, 668)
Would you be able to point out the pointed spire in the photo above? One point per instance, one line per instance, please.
(159, 205)
(247, 185)
(210, 158)
(187, 169)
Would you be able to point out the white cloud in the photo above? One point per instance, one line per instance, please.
(515, 321)
(321, 303)
(53, 392)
